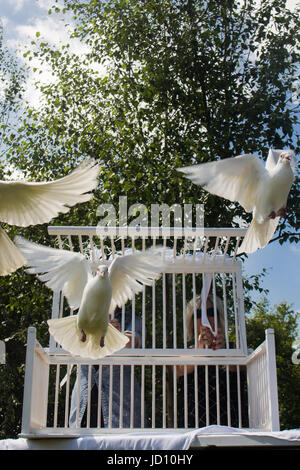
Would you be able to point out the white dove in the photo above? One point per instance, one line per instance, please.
(89, 334)
(24, 203)
(262, 190)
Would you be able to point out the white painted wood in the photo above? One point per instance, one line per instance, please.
(36, 386)
(63, 356)
(272, 380)
(173, 232)
(28, 385)
(181, 281)
(262, 386)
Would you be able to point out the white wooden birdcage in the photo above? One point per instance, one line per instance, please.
(189, 254)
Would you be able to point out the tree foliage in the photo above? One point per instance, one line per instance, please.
(166, 84)
(12, 76)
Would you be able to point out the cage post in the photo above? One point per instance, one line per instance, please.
(272, 380)
(36, 385)
(28, 385)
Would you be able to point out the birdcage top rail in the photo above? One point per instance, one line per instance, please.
(147, 231)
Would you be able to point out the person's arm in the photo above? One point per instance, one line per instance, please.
(206, 339)
(129, 344)
(218, 341)
(180, 370)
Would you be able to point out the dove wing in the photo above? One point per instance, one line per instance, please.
(129, 273)
(29, 203)
(236, 179)
(58, 269)
(10, 259)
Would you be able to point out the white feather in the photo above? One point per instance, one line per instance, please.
(129, 273)
(67, 334)
(11, 258)
(60, 270)
(258, 235)
(25, 203)
(236, 179)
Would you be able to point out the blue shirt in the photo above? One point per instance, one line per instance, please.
(105, 389)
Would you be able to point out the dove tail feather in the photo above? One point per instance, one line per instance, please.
(66, 332)
(114, 340)
(258, 235)
(11, 258)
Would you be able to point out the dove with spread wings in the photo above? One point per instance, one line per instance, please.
(89, 333)
(260, 189)
(25, 203)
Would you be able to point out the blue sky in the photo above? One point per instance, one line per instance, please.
(283, 279)
(21, 19)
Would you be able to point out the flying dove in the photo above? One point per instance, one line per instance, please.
(260, 189)
(25, 203)
(89, 333)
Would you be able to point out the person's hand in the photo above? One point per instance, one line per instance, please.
(218, 340)
(205, 338)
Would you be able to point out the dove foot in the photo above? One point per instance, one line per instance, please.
(83, 336)
(272, 215)
(282, 212)
(102, 341)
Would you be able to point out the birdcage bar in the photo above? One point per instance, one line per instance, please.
(67, 399)
(164, 311)
(153, 317)
(132, 396)
(78, 394)
(56, 394)
(89, 396)
(143, 318)
(164, 425)
(184, 311)
(153, 396)
(225, 310)
(100, 397)
(195, 311)
(228, 395)
(143, 394)
(175, 395)
(196, 397)
(174, 310)
(218, 394)
(110, 394)
(185, 396)
(133, 322)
